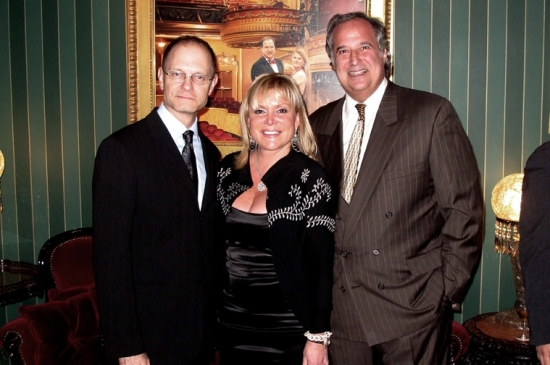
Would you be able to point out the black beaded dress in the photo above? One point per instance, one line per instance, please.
(258, 326)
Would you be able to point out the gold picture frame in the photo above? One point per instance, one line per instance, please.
(140, 33)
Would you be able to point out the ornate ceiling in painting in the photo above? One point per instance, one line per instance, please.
(241, 24)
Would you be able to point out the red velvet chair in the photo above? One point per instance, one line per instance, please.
(65, 329)
(460, 340)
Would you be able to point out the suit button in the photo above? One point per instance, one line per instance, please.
(342, 289)
(381, 286)
(376, 252)
(389, 214)
(344, 253)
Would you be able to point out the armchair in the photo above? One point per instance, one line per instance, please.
(460, 341)
(65, 329)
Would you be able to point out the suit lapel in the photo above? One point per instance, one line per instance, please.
(385, 132)
(167, 151)
(266, 66)
(210, 163)
(329, 138)
(268, 69)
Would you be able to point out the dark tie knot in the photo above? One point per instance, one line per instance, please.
(361, 109)
(272, 61)
(188, 137)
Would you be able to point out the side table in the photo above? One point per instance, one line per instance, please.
(494, 343)
(18, 281)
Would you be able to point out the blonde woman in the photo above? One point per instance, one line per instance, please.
(300, 74)
(277, 295)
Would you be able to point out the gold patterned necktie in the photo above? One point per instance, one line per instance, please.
(351, 162)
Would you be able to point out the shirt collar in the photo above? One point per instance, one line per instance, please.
(174, 126)
(373, 101)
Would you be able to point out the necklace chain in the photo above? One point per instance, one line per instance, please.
(261, 186)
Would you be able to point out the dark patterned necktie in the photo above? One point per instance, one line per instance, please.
(188, 155)
(351, 162)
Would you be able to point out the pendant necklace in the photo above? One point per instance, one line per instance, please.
(261, 186)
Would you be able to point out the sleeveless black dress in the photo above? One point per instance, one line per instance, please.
(257, 324)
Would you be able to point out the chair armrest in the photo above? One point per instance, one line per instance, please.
(460, 341)
(18, 342)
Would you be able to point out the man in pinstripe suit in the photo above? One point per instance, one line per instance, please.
(409, 239)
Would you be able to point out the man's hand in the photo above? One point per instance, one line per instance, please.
(141, 359)
(543, 352)
(315, 354)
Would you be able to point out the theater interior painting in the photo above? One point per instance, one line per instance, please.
(234, 29)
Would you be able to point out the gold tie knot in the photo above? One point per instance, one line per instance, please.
(361, 109)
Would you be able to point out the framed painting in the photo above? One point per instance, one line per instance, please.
(234, 29)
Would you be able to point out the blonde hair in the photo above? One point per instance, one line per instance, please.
(280, 87)
(303, 55)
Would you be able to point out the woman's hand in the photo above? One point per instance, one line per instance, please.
(141, 359)
(315, 354)
(543, 353)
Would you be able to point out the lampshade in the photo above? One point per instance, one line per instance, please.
(506, 198)
(506, 203)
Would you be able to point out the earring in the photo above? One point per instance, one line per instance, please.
(294, 143)
(253, 145)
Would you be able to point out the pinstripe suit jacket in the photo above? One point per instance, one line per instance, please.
(410, 239)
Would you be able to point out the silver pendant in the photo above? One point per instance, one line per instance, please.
(261, 186)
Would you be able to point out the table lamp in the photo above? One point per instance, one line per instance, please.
(506, 203)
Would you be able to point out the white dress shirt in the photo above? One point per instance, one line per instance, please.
(273, 65)
(350, 115)
(176, 130)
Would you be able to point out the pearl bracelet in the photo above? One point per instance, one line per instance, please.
(323, 339)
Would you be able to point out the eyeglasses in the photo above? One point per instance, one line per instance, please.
(179, 76)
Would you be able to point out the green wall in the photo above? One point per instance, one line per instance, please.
(491, 59)
(62, 90)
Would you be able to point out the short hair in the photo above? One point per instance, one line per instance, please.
(266, 39)
(377, 25)
(189, 39)
(279, 87)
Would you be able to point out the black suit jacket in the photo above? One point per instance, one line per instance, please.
(534, 246)
(410, 239)
(152, 245)
(261, 67)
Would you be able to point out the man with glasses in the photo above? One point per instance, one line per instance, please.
(154, 217)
